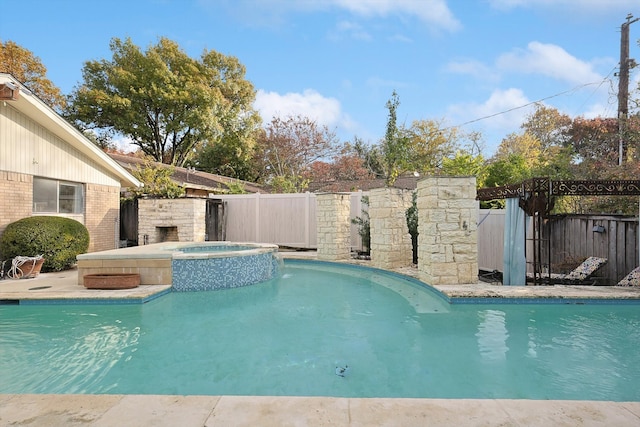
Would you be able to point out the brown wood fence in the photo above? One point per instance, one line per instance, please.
(575, 237)
(569, 239)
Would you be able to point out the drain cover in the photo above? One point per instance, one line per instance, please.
(37, 288)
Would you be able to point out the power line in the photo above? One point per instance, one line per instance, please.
(599, 83)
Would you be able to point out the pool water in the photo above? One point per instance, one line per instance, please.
(323, 329)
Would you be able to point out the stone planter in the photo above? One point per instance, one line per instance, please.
(111, 281)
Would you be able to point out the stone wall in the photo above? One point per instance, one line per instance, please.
(156, 218)
(333, 226)
(390, 238)
(447, 227)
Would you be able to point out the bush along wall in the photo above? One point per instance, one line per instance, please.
(59, 240)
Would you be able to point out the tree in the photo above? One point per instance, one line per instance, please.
(465, 163)
(22, 64)
(345, 166)
(287, 148)
(428, 145)
(371, 157)
(157, 181)
(510, 169)
(548, 126)
(167, 103)
(232, 155)
(394, 145)
(525, 145)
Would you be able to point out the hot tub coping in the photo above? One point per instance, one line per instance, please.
(171, 250)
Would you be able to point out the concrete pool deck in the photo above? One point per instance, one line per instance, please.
(186, 411)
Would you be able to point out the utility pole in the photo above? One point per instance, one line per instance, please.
(623, 86)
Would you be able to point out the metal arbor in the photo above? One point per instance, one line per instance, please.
(537, 197)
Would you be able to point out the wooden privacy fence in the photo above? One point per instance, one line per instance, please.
(282, 219)
(569, 239)
(575, 237)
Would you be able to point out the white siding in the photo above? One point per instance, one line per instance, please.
(26, 147)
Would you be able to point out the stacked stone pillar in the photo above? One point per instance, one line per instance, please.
(333, 226)
(447, 227)
(390, 238)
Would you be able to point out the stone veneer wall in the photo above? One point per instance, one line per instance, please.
(333, 226)
(187, 215)
(447, 227)
(390, 238)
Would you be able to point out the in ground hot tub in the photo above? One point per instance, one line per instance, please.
(220, 265)
(188, 266)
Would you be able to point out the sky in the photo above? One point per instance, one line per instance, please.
(479, 65)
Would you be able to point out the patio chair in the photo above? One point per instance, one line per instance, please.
(581, 275)
(631, 279)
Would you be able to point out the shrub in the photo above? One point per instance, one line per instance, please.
(412, 224)
(58, 239)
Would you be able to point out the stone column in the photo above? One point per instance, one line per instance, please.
(390, 238)
(333, 226)
(447, 227)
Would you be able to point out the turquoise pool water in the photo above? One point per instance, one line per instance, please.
(324, 330)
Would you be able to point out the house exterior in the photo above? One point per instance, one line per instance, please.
(47, 167)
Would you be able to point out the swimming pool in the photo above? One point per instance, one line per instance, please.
(293, 335)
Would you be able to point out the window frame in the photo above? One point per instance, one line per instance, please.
(67, 203)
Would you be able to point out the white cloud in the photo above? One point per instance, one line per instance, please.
(502, 113)
(309, 103)
(549, 60)
(435, 12)
(473, 68)
(348, 29)
(584, 5)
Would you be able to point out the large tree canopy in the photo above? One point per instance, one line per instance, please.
(166, 102)
(29, 70)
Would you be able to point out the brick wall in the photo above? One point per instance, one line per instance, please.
(102, 214)
(16, 190)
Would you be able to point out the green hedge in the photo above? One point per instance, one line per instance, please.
(59, 240)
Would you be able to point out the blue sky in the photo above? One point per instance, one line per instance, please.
(338, 61)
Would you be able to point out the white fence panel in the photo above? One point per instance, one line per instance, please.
(281, 219)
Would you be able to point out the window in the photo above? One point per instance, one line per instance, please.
(52, 196)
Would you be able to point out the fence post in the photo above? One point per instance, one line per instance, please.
(257, 236)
